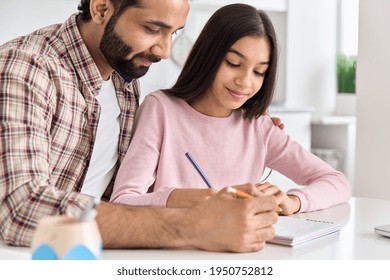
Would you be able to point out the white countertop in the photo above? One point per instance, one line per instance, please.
(357, 240)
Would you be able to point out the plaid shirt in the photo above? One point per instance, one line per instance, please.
(48, 122)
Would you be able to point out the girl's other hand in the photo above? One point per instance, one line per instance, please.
(288, 204)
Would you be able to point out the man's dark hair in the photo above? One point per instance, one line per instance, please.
(225, 27)
(119, 5)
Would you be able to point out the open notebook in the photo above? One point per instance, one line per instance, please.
(291, 231)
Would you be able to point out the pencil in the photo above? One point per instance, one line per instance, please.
(242, 194)
(238, 193)
(197, 168)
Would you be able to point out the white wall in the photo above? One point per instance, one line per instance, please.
(311, 55)
(24, 16)
(373, 100)
(348, 27)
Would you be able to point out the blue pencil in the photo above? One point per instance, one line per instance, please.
(204, 177)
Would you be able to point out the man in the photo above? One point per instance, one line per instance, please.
(68, 97)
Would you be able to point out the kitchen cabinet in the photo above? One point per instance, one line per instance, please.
(337, 133)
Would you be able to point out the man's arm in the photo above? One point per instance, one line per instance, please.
(221, 223)
(27, 191)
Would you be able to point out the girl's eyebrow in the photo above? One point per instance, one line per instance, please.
(243, 56)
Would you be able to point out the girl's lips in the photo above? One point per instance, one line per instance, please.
(236, 94)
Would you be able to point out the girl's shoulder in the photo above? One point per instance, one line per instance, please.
(161, 97)
(265, 126)
(263, 120)
(164, 102)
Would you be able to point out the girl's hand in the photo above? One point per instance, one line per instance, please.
(288, 204)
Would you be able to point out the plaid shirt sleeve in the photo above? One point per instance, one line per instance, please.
(26, 113)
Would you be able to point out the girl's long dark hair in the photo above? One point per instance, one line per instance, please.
(226, 26)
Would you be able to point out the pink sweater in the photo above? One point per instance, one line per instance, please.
(231, 151)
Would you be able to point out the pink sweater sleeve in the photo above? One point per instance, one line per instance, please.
(137, 171)
(323, 186)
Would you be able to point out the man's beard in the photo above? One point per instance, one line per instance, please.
(115, 51)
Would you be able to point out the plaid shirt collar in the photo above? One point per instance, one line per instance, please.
(80, 55)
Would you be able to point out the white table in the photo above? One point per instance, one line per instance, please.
(357, 240)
